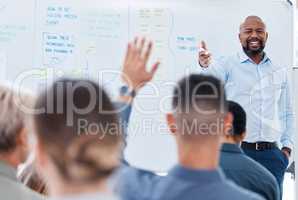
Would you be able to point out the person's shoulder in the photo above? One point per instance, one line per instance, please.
(224, 62)
(136, 173)
(227, 160)
(134, 181)
(277, 65)
(227, 58)
(279, 71)
(235, 192)
(253, 169)
(260, 170)
(11, 189)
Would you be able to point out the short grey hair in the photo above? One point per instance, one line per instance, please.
(12, 117)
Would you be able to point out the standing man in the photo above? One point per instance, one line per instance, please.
(262, 89)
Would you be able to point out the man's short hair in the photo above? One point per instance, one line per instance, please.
(199, 102)
(12, 117)
(239, 118)
(79, 130)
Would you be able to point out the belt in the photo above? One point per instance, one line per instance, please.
(259, 146)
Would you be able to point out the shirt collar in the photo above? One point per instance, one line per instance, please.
(194, 175)
(232, 148)
(244, 58)
(8, 171)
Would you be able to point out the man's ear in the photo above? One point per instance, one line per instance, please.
(22, 139)
(228, 124)
(171, 121)
(267, 36)
(22, 143)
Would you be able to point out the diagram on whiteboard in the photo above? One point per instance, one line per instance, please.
(60, 15)
(57, 48)
(155, 24)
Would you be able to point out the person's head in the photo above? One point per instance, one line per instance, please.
(14, 148)
(253, 35)
(235, 123)
(79, 138)
(199, 104)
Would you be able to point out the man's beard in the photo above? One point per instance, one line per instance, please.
(251, 53)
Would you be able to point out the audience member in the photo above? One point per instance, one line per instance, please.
(238, 167)
(14, 147)
(79, 140)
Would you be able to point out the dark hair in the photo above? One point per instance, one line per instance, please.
(239, 118)
(200, 104)
(195, 90)
(81, 154)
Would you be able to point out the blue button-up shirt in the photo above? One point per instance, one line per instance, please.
(263, 91)
(180, 183)
(247, 173)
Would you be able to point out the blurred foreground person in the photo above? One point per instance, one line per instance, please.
(79, 140)
(14, 148)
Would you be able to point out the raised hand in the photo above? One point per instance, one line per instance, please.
(134, 72)
(204, 55)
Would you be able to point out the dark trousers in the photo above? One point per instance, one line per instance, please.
(272, 159)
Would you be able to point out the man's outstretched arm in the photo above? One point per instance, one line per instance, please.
(134, 77)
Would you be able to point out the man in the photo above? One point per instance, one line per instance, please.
(13, 147)
(238, 167)
(252, 80)
(197, 99)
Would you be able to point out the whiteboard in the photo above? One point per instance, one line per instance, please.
(43, 40)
